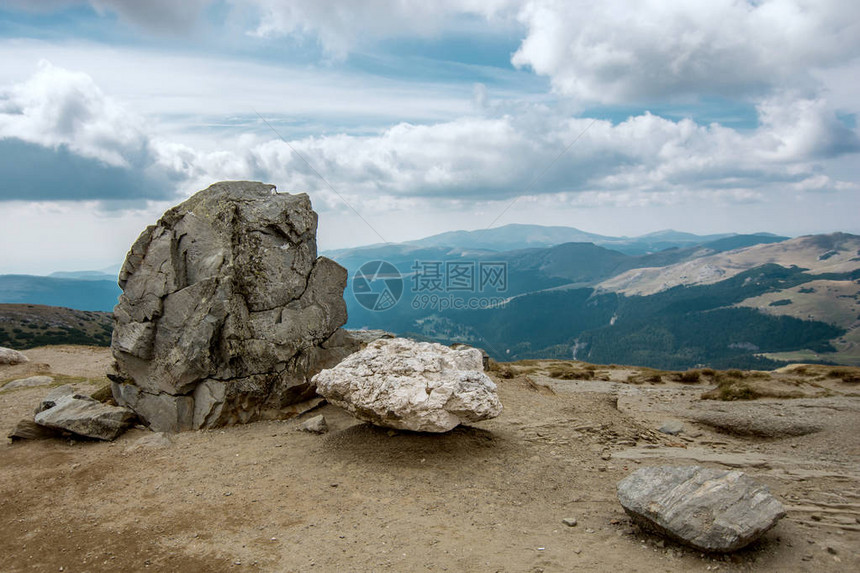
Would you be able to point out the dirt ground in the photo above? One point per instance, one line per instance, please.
(266, 497)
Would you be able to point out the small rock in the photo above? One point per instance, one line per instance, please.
(11, 357)
(831, 550)
(672, 427)
(569, 521)
(151, 440)
(315, 425)
(30, 382)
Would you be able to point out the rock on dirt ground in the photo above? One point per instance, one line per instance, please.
(85, 417)
(11, 357)
(486, 497)
(706, 508)
(407, 385)
(30, 381)
(226, 310)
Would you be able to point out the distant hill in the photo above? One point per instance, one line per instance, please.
(742, 241)
(819, 254)
(25, 326)
(511, 237)
(85, 275)
(515, 237)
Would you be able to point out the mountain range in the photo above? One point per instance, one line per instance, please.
(667, 299)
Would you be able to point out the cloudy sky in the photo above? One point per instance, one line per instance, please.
(618, 117)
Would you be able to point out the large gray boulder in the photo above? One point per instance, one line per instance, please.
(407, 385)
(709, 509)
(11, 357)
(226, 310)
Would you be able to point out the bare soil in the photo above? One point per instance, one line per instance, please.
(266, 497)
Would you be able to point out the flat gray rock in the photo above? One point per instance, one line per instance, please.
(709, 509)
(86, 417)
(757, 422)
(30, 382)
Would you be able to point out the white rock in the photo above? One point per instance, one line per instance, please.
(406, 385)
(9, 356)
(315, 425)
(672, 427)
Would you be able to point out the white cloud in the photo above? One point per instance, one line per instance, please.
(610, 52)
(409, 179)
(619, 51)
(188, 97)
(471, 158)
(57, 107)
(85, 144)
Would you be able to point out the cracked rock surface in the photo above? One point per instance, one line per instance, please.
(706, 508)
(226, 311)
(406, 385)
